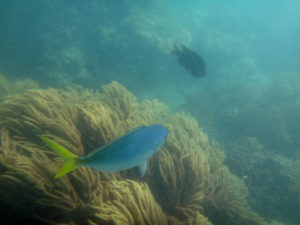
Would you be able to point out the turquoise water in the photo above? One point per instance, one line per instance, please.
(248, 101)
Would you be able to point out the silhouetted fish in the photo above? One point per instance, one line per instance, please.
(190, 60)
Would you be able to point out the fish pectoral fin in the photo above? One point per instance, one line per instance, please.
(143, 168)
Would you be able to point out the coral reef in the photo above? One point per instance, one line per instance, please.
(9, 88)
(240, 113)
(186, 181)
(151, 23)
(262, 171)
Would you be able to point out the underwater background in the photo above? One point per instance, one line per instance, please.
(232, 155)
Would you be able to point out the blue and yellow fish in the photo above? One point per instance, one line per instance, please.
(130, 150)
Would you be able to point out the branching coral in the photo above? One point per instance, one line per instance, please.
(226, 197)
(185, 180)
(128, 202)
(19, 86)
(85, 195)
(27, 185)
(181, 165)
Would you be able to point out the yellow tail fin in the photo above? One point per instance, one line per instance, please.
(71, 161)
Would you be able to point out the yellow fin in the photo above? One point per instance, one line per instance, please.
(67, 167)
(71, 161)
(59, 149)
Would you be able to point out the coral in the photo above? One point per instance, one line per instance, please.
(19, 86)
(150, 26)
(186, 181)
(227, 198)
(239, 114)
(182, 167)
(86, 195)
(262, 171)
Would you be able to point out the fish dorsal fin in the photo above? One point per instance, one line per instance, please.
(143, 168)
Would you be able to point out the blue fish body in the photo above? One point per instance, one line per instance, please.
(130, 150)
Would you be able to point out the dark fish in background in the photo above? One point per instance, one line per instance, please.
(190, 60)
